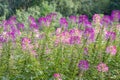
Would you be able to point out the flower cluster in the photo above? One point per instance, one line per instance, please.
(111, 50)
(69, 37)
(83, 65)
(102, 67)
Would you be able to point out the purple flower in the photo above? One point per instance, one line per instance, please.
(42, 21)
(74, 40)
(57, 76)
(63, 23)
(115, 15)
(20, 26)
(32, 22)
(34, 25)
(5, 24)
(13, 32)
(51, 16)
(12, 20)
(83, 18)
(110, 35)
(83, 65)
(87, 24)
(54, 15)
(73, 19)
(72, 31)
(12, 36)
(106, 20)
(25, 42)
(89, 33)
(96, 18)
(111, 49)
(45, 21)
(75, 32)
(102, 67)
(2, 39)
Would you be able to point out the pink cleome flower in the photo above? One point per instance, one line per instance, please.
(57, 76)
(83, 65)
(68, 37)
(110, 35)
(26, 43)
(111, 49)
(102, 67)
(96, 18)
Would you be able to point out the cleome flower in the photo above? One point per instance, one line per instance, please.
(111, 50)
(83, 65)
(57, 76)
(102, 67)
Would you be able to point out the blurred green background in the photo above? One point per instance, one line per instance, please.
(37, 8)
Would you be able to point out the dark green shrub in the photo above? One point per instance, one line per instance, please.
(65, 7)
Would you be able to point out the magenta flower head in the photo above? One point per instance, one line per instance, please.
(53, 15)
(106, 20)
(12, 20)
(102, 67)
(63, 23)
(89, 33)
(73, 19)
(48, 20)
(57, 76)
(20, 26)
(110, 35)
(12, 35)
(25, 42)
(45, 21)
(49, 17)
(75, 32)
(83, 65)
(111, 50)
(2, 39)
(96, 18)
(31, 19)
(74, 40)
(87, 24)
(82, 19)
(5, 25)
(115, 15)
(13, 32)
(32, 22)
(42, 21)
(72, 31)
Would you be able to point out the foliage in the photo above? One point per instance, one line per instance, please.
(71, 7)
